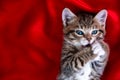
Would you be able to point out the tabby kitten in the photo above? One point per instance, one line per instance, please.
(84, 53)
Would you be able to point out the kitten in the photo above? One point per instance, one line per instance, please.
(84, 53)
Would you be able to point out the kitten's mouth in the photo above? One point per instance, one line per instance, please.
(87, 45)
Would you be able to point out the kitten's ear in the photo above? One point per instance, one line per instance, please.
(101, 17)
(68, 16)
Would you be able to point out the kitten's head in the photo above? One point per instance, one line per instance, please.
(83, 29)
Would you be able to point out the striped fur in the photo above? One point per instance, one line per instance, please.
(84, 57)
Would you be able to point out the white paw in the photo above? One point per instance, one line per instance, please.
(97, 49)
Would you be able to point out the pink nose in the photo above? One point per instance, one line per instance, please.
(89, 38)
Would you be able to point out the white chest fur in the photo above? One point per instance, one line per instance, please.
(84, 74)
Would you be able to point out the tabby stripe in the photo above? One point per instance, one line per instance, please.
(76, 63)
(97, 64)
(72, 59)
(86, 56)
(73, 63)
(79, 63)
(81, 27)
(101, 31)
(82, 62)
(68, 54)
(93, 66)
(83, 58)
(66, 58)
(71, 31)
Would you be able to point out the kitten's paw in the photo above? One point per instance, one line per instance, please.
(97, 49)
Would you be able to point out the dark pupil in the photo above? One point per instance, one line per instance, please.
(94, 32)
(79, 32)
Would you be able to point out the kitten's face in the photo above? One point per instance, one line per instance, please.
(83, 29)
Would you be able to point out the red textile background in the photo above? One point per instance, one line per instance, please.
(31, 37)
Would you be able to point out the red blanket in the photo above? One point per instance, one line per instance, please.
(31, 37)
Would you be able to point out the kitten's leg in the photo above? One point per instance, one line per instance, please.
(100, 61)
(94, 76)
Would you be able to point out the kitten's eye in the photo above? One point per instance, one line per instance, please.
(94, 32)
(79, 32)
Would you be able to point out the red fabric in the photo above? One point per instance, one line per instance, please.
(31, 37)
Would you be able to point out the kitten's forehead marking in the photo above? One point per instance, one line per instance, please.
(85, 29)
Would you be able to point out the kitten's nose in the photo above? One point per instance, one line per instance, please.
(89, 38)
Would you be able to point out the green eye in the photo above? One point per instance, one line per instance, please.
(79, 32)
(94, 32)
